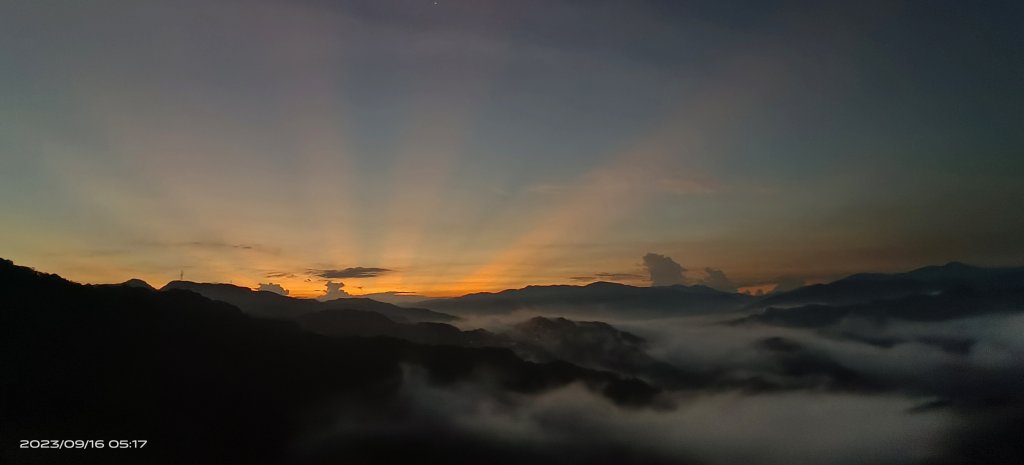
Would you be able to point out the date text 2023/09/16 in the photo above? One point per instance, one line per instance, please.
(83, 444)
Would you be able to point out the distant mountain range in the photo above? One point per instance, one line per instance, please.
(911, 295)
(600, 299)
(932, 293)
(271, 305)
(589, 344)
(868, 287)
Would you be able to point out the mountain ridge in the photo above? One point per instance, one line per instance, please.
(599, 298)
(272, 305)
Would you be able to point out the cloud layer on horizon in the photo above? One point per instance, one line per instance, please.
(351, 272)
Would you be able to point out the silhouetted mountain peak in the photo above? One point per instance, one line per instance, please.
(606, 284)
(951, 279)
(598, 299)
(700, 288)
(392, 311)
(958, 273)
(948, 266)
(190, 285)
(135, 282)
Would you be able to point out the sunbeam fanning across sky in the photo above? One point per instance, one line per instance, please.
(469, 146)
(511, 232)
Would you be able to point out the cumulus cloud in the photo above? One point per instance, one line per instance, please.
(334, 290)
(663, 270)
(716, 279)
(271, 287)
(350, 273)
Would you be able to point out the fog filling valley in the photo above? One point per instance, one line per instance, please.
(920, 367)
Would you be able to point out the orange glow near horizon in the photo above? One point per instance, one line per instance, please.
(757, 289)
(458, 166)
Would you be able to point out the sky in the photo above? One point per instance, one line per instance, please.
(458, 146)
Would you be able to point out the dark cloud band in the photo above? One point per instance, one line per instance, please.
(350, 273)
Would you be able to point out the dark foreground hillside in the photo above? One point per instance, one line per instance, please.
(929, 379)
(203, 383)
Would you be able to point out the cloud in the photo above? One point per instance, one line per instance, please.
(756, 289)
(397, 293)
(726, 428)
(334, 290)
(663, 270)
(351, 273)
(608, 277)
(280, 274)
(618, 276)
(716, 279)
(271, 287)
(218, 245)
